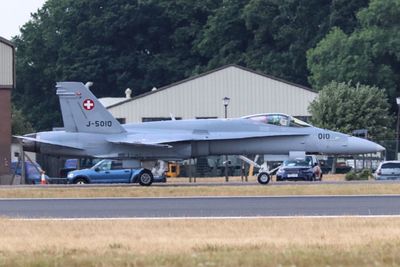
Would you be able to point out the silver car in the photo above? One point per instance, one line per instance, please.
(388, 170)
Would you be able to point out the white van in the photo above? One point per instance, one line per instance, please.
(388, 170)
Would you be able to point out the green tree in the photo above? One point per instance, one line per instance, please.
(225, 37)
(264, 35)
(272, 36)
(345, 108)
(283, 32)
(19, 124)
(369, 55)
(114, 43)
(343, 14)
(145, 43)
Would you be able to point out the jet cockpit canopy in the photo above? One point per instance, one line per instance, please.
(278, 119)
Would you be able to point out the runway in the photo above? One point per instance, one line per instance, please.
(201, 207)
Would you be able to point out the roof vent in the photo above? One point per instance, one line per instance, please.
(128, 93)
(154, 89)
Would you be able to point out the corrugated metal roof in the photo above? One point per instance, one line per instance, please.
(250, 93)
(7, 42)
(207, 73)
(111, 101)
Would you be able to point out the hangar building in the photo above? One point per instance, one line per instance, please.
(7, 83)
(250, 92)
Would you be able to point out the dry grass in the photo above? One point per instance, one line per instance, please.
(245, 242)
(174, 180)
(171, 191)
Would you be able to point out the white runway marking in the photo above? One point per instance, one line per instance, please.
(188, 197)
(206, 218)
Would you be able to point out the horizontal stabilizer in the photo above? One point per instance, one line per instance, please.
(26, 139)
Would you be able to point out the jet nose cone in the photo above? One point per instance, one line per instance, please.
(380, 148)
(362, 146)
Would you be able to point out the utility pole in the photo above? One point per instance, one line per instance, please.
(225, 101)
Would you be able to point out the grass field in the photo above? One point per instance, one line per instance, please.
(243, 242)
(172, 180)
(186, 242)
(316, 188)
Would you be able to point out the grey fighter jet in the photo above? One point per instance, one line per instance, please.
(91, 131)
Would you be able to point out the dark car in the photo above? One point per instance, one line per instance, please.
(32, 171)
(295, 170)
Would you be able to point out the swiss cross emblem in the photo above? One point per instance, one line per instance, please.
(88, 104)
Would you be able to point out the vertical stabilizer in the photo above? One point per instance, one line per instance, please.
(82, 112)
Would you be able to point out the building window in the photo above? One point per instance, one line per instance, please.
(159, 119)
(121, 120)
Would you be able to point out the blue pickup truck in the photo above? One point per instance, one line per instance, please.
(111, 171)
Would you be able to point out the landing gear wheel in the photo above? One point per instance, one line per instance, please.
(263, 178)
(146, 178)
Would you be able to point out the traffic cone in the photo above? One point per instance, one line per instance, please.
(43, 178)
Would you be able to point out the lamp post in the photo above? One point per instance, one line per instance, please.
(397, 127)
(225, 101)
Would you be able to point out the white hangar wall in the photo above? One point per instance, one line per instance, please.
(6, 64)
(201, 96)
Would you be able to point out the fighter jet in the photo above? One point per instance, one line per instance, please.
(91, 131)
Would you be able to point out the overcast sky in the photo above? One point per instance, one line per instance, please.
(15, 13)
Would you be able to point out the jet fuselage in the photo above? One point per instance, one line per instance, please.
(194, 138)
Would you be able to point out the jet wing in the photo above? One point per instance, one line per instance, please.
(31, 139)
(245, 135)
(149, 140)
(166, 139)
(137, 142)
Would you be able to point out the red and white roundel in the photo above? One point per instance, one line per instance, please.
(88, 104)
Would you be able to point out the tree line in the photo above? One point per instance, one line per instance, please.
(143, 44)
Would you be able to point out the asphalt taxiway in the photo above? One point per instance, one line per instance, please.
(201, 207)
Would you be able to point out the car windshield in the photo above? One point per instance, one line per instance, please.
(296, 163)
(106, 165)
(279, 120)
(103, 165)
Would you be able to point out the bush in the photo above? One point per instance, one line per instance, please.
(364, 174)
(350, 176)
